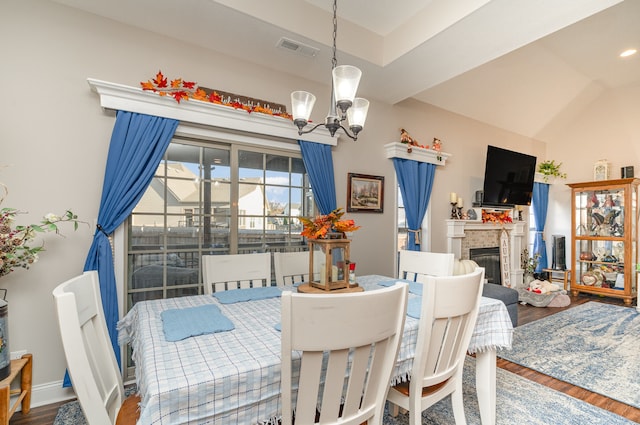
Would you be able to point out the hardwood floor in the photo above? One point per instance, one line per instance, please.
(44, 415)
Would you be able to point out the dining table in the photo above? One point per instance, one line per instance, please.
(225, 369)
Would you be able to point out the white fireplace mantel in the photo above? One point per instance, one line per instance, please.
(457, 230)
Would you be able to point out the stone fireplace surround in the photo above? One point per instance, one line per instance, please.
(465, 234)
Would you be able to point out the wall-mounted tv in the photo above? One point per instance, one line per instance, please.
(508, 178)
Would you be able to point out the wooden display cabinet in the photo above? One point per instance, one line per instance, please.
(604, 248)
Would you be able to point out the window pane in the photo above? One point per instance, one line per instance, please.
(250, 165)
(532, 229)
(277, 199)
(217, 160)
(251, 198)
(297, 172)
(402, 223)
(277, 170)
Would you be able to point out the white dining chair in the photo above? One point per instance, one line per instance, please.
(235, 271)
(345, 346)
(293, 267)
(449, 309)
(417, 265)
(91, 362)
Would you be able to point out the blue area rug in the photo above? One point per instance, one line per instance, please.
(594, 346)
(519, 401)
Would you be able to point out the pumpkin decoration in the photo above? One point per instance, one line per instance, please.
(464, 266)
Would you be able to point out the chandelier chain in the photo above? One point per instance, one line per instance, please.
(334, 61)
(347, 81)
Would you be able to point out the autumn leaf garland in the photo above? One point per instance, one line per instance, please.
(180, 90)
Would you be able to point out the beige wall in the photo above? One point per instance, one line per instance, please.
(609, 129)
(55, 137)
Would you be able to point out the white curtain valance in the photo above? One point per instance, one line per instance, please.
(120, 97)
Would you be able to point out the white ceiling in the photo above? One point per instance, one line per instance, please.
(515, 64)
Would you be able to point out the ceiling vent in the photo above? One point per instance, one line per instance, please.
(297, 47)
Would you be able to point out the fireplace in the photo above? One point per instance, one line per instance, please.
(489, 258)
(465, 236)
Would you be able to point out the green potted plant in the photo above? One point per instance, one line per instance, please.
(529, 265)
(550, 168)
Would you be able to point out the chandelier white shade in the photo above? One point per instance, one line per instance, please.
(357, 114)
(301, 106)
(344, 85)
(346, 79)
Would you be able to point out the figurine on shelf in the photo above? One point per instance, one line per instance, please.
(407, 140)
(608, 201)
(593, 202)
(437, 145)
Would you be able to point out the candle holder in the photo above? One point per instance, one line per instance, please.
(454, 211)
(460, 213)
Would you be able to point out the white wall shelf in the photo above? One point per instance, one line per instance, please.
(430, 156)
(120, 97)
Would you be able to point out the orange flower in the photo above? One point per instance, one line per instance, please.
(323, 224)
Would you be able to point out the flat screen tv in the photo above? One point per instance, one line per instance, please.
(508, 178)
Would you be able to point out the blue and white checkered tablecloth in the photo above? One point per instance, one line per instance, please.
(234, 377)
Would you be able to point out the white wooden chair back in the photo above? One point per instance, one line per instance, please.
(293, 267)
(346, 346)
(417, 265)
(235, 271)
(447, 319)
(91, 361)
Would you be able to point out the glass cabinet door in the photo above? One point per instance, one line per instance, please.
(600, 213)
(600, 238)
(600, 263)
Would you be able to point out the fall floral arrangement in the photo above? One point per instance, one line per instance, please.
(16, 250)
(322, 225)
(496, 217)
(180, 89)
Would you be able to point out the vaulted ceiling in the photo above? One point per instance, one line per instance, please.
(515, 64)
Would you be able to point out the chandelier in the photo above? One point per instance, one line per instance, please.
(344, 85)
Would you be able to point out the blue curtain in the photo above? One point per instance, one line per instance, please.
(318, 162)
(138, 143)
(540, 204)
(416, 181)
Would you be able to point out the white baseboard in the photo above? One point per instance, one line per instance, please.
(48, 393)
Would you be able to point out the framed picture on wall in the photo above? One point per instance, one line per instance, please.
(365, 193)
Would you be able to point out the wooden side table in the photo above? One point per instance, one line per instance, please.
(565, 279)
(24, 365)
